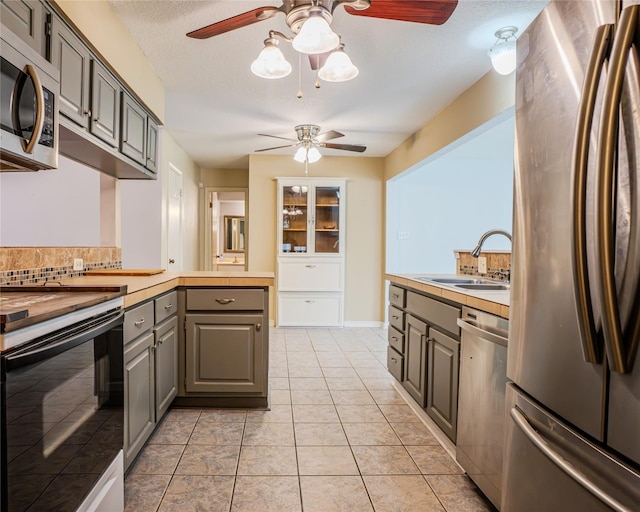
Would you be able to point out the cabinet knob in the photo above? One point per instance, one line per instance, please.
(87, 113)
(225, 301)
(171, 260)
(139, 322)
(258, 327)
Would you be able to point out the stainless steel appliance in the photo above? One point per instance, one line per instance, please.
(29, 91)
(483, 379)
(573, 410)
(62, 399)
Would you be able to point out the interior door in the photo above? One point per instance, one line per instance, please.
(174, 220)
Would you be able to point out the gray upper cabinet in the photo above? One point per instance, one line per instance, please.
(26, 18)
(134, 130)
(70, 55)
(152, 145)
(105, 105)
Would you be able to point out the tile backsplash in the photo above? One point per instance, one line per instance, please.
(34, 265)
(497, 261)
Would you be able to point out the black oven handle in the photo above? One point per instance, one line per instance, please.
(59, 343)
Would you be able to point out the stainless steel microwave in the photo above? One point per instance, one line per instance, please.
(29, 92)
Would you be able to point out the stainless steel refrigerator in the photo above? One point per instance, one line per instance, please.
(573, 407)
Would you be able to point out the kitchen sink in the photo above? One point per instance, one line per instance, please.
(484, 286)
(468, 283)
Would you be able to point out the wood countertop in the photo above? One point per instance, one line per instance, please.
(496, 302)
(141, 288)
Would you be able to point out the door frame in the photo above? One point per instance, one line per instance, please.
(208, 224)
(177, 172)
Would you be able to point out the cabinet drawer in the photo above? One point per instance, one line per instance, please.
(309, 310)
(397, 296)
(225, 299)
(308, 275)
(166, 306)
(396, 339)
(138, 320)
(396, 318)
(434, 312)
(395, 363)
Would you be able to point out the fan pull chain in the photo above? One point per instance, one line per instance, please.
(299, 95)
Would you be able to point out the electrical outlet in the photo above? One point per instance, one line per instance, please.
(403, 235)
(482, 265)
(78, 264)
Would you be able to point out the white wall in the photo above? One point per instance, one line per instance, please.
(451, 201)
(61, 207)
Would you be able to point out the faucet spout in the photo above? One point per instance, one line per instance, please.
(476, 251)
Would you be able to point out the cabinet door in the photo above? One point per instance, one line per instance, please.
(134, 130)
(295, 220)
(152, 145)
(415, 359)
(327, 219)
(26, 19)
(224, 354)
(166, 369)
(72, 58)
(442, 386)
(139, 388)
(105, 105)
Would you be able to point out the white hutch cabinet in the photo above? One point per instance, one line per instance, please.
(311, 240)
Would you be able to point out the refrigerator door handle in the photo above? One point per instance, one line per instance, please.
(619, 361)
(565, 466)
(591, 349)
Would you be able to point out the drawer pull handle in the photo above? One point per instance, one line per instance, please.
(396, 295)
(139, 322)
(395, 317)
(310, 266)
(394, 359)
(310, 301)
(168, 306)
(258, 327)
(394, 338)
(225, 301)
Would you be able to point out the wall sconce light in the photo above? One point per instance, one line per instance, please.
(503, 52)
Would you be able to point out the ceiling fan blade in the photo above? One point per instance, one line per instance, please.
(346, 147)
(239, 21)
(276, 137)
(330, 135)
(317, 60)
(276, 147)
(432, 12)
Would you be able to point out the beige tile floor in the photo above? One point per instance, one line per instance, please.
(338, 437)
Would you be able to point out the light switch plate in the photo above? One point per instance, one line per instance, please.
(482, 265)
(78, 264)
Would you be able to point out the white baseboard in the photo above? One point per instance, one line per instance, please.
(364, 323)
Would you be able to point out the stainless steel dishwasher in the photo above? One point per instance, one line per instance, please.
(483, 379)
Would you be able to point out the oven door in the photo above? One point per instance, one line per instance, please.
(63, 415)
(28, 112)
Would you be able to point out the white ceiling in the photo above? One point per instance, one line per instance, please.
(408, 73)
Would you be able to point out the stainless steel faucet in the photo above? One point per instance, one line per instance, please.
(476, 252)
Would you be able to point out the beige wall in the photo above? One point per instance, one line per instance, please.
(365, 217)
(484, 100)
(99, 24)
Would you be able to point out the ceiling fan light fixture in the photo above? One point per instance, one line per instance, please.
(313, 155)
(503, 52)
(338, 67)
(301, 154)
(315, 35)
(271, 62)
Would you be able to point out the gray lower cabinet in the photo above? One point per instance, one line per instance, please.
(105, 105)
(415, 359)
(166, 365)
(70, 55)
(139, 395)
(442, 381)
(26, 19)
(224, 353)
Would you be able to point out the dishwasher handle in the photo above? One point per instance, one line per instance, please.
(472, 328)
